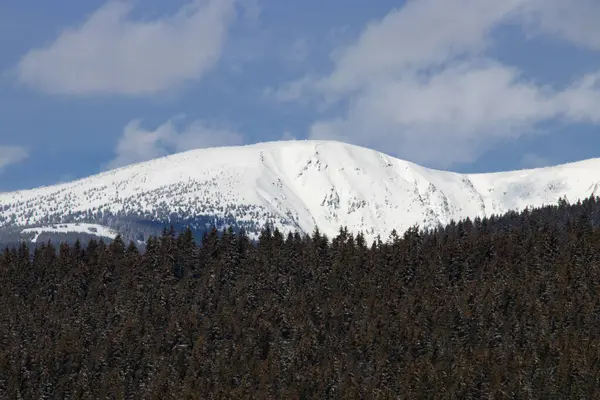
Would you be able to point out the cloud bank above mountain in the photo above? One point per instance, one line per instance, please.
(112, 53)
(422, 82)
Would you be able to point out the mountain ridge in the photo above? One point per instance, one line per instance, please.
(291, 185)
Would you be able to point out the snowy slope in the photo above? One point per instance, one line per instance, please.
(89, 229)
(298, 185)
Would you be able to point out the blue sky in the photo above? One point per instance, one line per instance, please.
(466, 85)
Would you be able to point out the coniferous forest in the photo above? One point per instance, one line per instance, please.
(502, 307)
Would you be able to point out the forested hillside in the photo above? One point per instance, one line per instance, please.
(505, 307)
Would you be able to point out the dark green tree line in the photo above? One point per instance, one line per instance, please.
(501, 307)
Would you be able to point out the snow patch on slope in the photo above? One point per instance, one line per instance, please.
(81, 228)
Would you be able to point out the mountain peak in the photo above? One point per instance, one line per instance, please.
(292, 185)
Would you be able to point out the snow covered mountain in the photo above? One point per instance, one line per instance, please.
(293, 185)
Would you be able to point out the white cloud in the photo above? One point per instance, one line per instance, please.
(423, 34)
(532, 160)
(297, 52)
(419, 82)
(65, 178)
(138, 144)
(11, 155)
(450, 117)
(580, 102)
(575, 20)
(111, 53)
(292, 91)
(287, 135)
